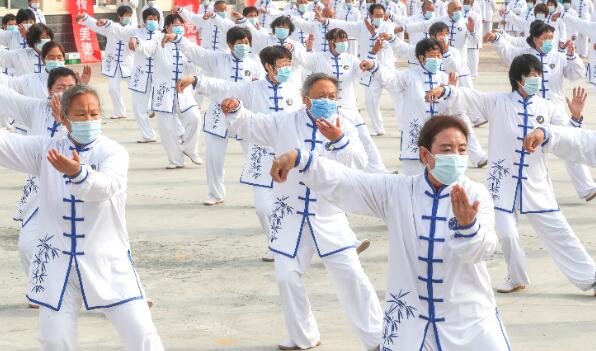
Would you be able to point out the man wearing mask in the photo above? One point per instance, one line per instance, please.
(15, 37)
(152, 4)
(35, 6)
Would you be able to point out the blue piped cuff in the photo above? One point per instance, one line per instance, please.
(305, 161)
(576, 123)
(468, 231)
(80, 177)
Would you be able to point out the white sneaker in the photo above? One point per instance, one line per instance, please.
(362, 245)
(290, 345)
(197, 160)
(173, 166)
(508, 286)
(118, 117)
(590, 196)
(482, 163)
(268, 256)
(146, 141)
(213, 202)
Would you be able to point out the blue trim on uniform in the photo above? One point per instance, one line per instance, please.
(29, 218)
(502, 329)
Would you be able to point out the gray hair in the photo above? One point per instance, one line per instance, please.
(315, 77)
(73, 92)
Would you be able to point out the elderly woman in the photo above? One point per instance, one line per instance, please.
(83, 255)
(441, 230)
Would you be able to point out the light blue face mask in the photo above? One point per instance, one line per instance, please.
(125, 20)
(222, 14)
(12, 28)
(178, 30)
(85, 132)
(323, 108)
(341, 46)
(551, 8)
(456, 16)
(253, 20)
(377, 22)
(302, 8)
(530, 5)
(282, 33)
(429, 15)
(51, 64)
(547, 46)
(349, 5)
(151, 25)
(432, 64)
(241, 50)
(566, 6)
(40, 44)
(449, 167)
(531, 85)
(467, 8)
(540, 17)
(283, 74)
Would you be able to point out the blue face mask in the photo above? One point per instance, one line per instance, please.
(429, 15)
(41, 43)
(456, 16)
(377, 22)
(349, 6)
(540, 17)
(531, 85)
(151, 25)
(302, 8)
(241, 50)
(467, 8)
(252, 20)
(12, 28)
(283, 74)
(323, 108)
(566, 5)
(432, 64)
(449, 167)
(551, 9)
(547, 46)
(85, 132)
(178, 30)
(51, 64)
(282, 33)
(341, 46)
(222, 14)
(125, 21)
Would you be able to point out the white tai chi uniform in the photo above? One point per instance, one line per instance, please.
(579, 145)
(140, 81)
(83, 255)
(345, 67)
(515, 7)
(134, 6)
(556, 67)
(519, 182)
(170, 66)
(319, 31)
(298, 34)
(212, 36)
(589, 30)
(272, 12)
(12, 40)
(366, 41)
(488, 12)
(224, 66)
(261, 96)
(303, 224)
(584, 9)
(474, 46)
(161, 17)
(438, 294)
(21, 61)
(116, 65)
(39, 16)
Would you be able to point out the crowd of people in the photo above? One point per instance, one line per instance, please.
(283, 83)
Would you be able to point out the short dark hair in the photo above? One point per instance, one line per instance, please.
(315, 77)
(150, 11)
(537, 28)
(552, 2)
(7, 18)
(283, 21)
(521, 66)
(170, 20)
(436, 125)
(24, 15)
(123, 10)
(336, 33)
(436, 28)
(49, 46)
(271, 54)
(426, 45)
(541, 8)
(219, 2)
(36, 31)
(373, 7)
(238, 33)
(60, 72)
(249, 9)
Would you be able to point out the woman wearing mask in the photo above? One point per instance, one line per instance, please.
(28, 60)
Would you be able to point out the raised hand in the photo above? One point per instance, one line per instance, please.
(167, 38)
(207, 15)
(577, 103)
(184, 82)
(377, 47)
(101, 22)
(366, 65)
(533, 140)
(452, 78)
(80, 16)
(471, 25)
(464, 212)
(434, 94)
(283, 165)
(555, 16)
(63, 164)
(85, 77)
(371, 28)
(329, 130)
(570, 47)
(309, 42)
(55, 106)
(385, 36)
(318, 15)
(132, 44)
(489, 37)
(398, 29)
(228, 105)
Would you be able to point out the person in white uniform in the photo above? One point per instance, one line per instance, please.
(584, 9)
(152, 4)
(212, 35)
(441, 231)
(83, 256)
(519, 182)
(303, 224)
(28, 60)
(267, 12)
(35, 7)
(16, 39)
(488, 13)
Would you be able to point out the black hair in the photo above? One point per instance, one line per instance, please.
(373, 7)
(60, 72)
(426, 45)
(552, 1)
(123, 10)
(150, 11)
(249, 9)
(537, 28)
(436, 28)
(521, 66)
(271, 54)
(49, 46)
(7, 18)
(170, 20)
(218, 2)
(238, 33)
(25, 15)
(36, 31)
(541, 8)
(283, 21)
(336, 33)
(436, 125)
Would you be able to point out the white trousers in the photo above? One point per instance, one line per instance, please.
(118, 107)
(372, 100)
(375, 162)
(411, 167)
(28, 240)
(581, 44)
(473, 59)
(560, 241)
(215, 153)
(58, 330)
(581, 178)
(169, 133)
(140, 105)
(355, 292)
(264, 200)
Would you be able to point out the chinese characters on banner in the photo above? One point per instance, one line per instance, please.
(190, 30)
(85, 39)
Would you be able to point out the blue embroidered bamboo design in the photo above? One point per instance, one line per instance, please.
(495, 174)
(255, 166)
(136, 77)
(414, 135)
(161, 93)
(397, 310)
(217, 117)
(45, 253)
(280, 211)
(29, 188)
(108, 62)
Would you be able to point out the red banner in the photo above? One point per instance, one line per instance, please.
(190, 30)
(85, 39)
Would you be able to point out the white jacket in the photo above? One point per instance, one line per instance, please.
(117, 58)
